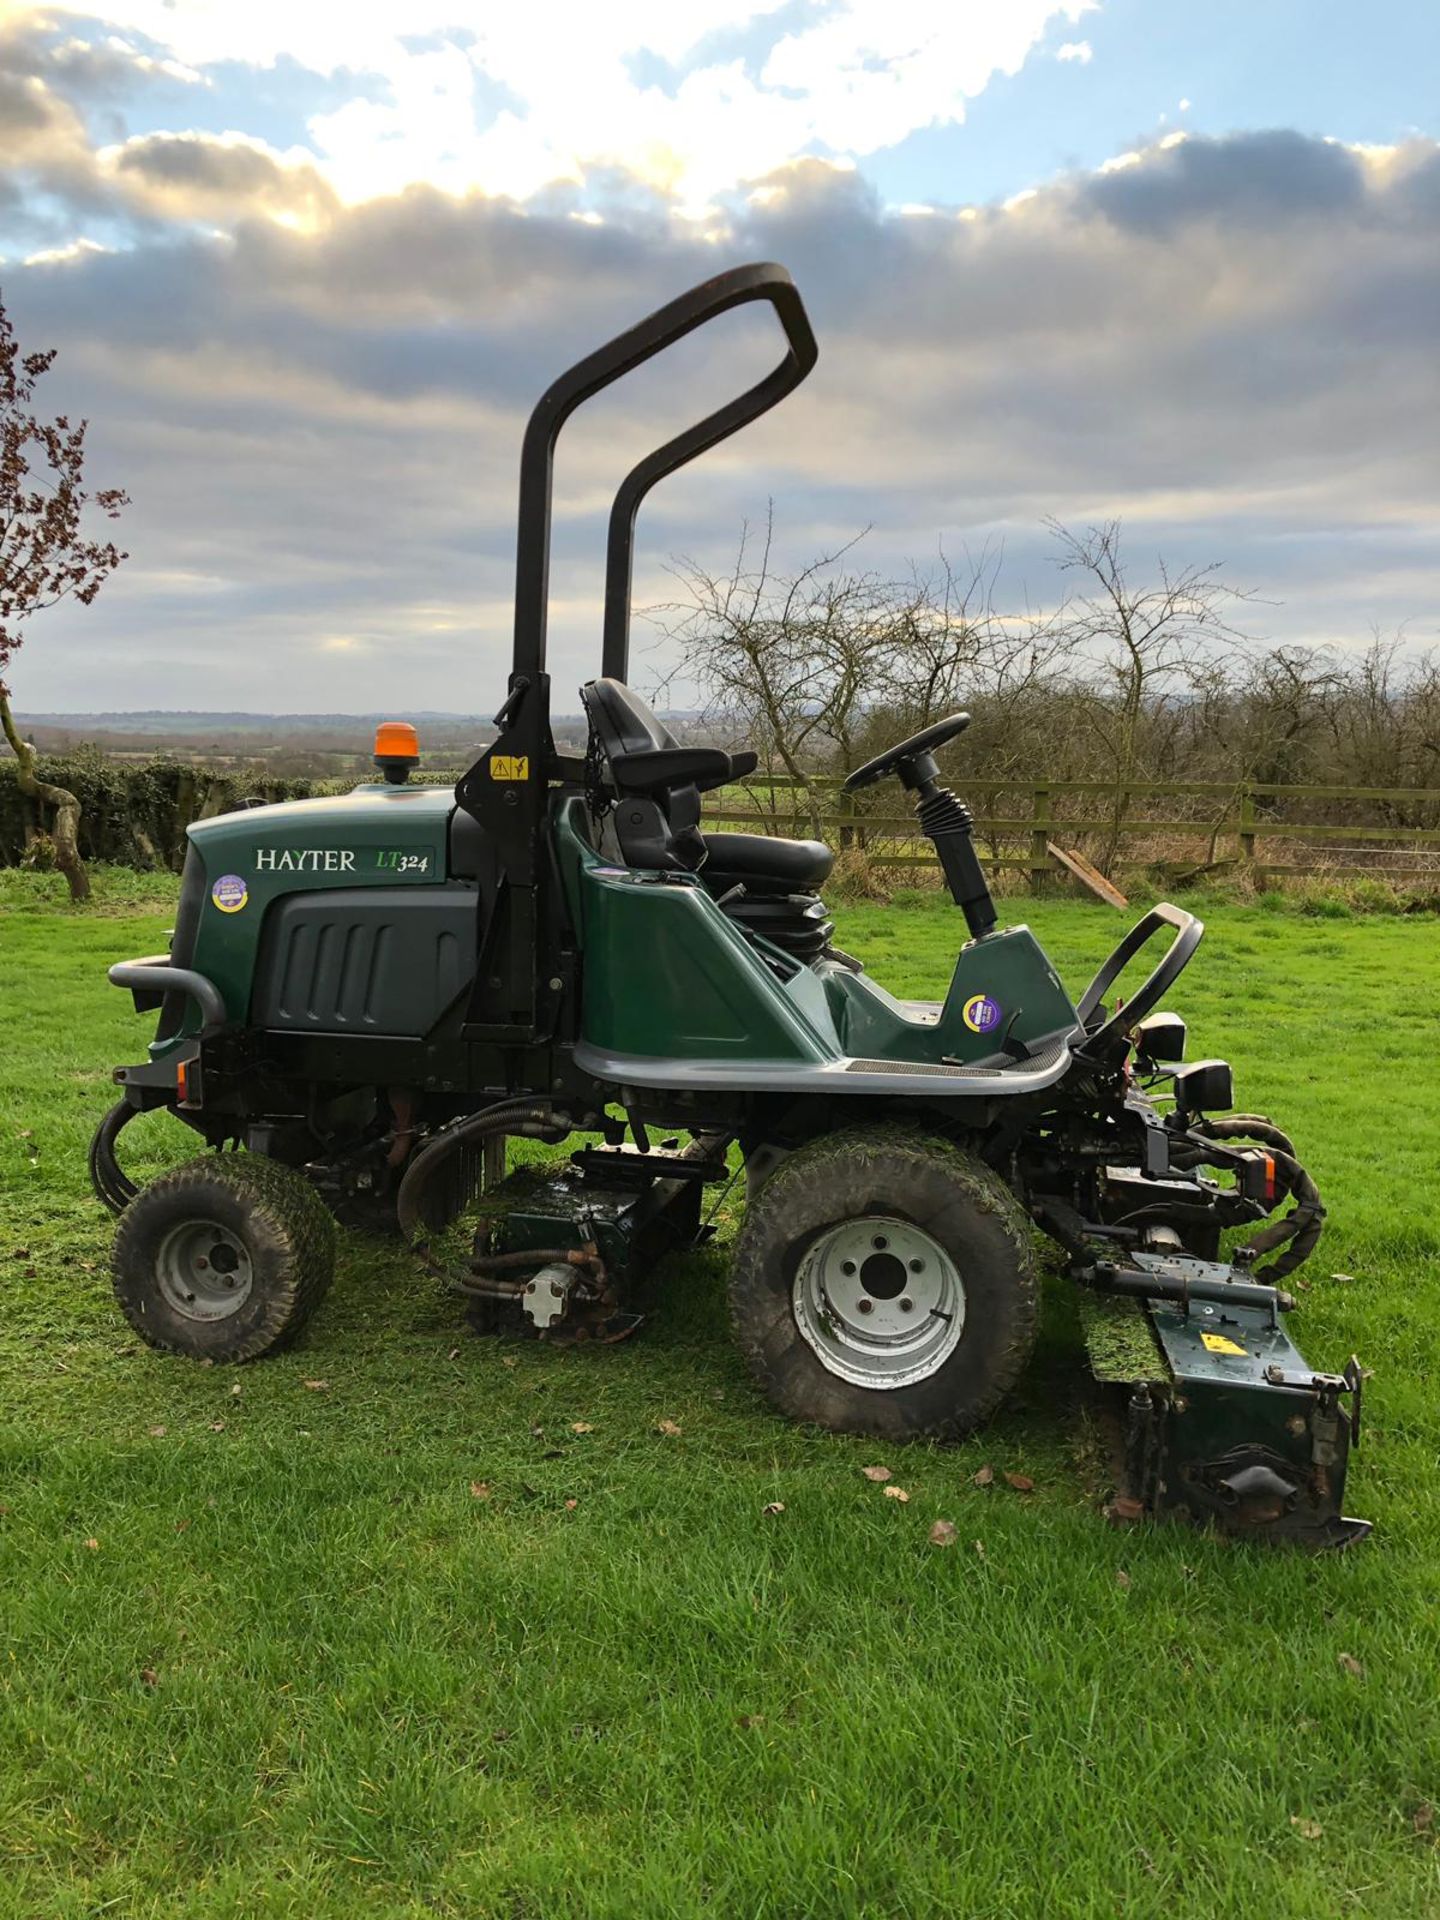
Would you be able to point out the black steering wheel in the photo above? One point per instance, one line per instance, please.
(1188, 932)
(894, 758)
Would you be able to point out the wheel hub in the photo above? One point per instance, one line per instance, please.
(204, 1270)
(879, 1302)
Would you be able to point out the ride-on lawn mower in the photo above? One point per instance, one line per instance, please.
(368, 994)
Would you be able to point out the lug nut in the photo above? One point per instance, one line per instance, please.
(847, 1266)
(907, 1306)
(880, 1243)
(917, 1266)
(865, 1305)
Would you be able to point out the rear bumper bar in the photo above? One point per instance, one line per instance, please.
(152, 978)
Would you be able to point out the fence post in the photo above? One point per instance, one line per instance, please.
(1039, 836)
(1247, 825)
(846, 806)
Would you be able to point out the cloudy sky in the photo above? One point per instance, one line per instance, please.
(307, 267)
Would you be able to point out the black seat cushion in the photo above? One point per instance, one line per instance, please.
(757, 857)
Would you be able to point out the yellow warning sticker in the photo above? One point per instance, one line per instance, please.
(1220, 1343)
(510, 766)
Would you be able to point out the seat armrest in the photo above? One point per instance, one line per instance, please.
(645, 772)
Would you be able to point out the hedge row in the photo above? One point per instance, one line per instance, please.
(132, 813)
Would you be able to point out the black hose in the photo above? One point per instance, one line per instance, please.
(1305, 1222)
(508, 1116)
(113, 1187)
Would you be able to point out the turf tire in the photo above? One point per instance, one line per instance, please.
(283, 1226)
(951, 1196)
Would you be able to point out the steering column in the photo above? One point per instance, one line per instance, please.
(944, 818)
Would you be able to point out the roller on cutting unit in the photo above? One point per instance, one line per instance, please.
(366, 997)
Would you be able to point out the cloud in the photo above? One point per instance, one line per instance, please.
(195, 176)
(1080, 51)
(1230, 342)
(1251, 179)
(689, 96)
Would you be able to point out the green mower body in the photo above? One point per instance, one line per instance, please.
(370, 994)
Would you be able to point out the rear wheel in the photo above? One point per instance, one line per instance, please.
(884, 1283)
(224, 1259)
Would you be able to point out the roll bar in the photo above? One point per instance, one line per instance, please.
(586, 378)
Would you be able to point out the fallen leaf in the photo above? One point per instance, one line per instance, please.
(236, 1391)
(453, 1353)
(87, 1266)
(896, 1493)
(182, 1526)
(980, 1548)
(92, 1544)
(1345, 1279)
(150, 1677)
(1423, 1818)
(158, 1433)
(984, 1476)
(943, 1533)
(1021, 1482)
(570, 1505)
(668, 1428)
(748, 1720)
(1351, 1665)
(480, 1489)
(1122, 1578)
(1307, 1829)
(581, 1426)
(774, 1506)
(217, 1426)
(317, 1386)
(876, 1473)
(508, 1360)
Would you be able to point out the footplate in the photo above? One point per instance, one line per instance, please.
(1224, 1423)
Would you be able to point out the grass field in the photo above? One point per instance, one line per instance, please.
(374, 1627)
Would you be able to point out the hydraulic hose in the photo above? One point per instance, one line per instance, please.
(509, 1116)
(1304, 1223)
(113, 1186)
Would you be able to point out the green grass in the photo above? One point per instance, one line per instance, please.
(306, 1671)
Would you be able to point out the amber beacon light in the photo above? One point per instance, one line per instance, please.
(397, 750)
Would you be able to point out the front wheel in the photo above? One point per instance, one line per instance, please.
(224, 1259)
(884, 1283)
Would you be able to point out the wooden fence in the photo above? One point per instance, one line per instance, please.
(1200, 827)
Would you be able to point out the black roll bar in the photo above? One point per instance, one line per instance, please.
(586, 378)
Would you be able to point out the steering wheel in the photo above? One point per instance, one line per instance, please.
(893, 758)
(1188, 933)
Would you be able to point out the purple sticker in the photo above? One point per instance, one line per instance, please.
(230, 893)
(981, 1014)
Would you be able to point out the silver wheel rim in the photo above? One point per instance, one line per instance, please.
(879, 1302)
(204, 1271)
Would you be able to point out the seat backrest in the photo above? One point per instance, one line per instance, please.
(657, 812)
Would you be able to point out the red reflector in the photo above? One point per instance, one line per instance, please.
(1269, 1176)
(182, 1075)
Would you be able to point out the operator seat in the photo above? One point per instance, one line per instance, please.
(658, 784)
(764, 884)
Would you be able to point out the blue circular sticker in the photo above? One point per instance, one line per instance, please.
(230, 894)
(981, 1014)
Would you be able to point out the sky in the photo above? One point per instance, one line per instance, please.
(307, 269)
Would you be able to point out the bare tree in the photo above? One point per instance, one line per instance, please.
(45, 554)
(1139, 649)
(786, 661)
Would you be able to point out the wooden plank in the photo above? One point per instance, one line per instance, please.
(1088, 876)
